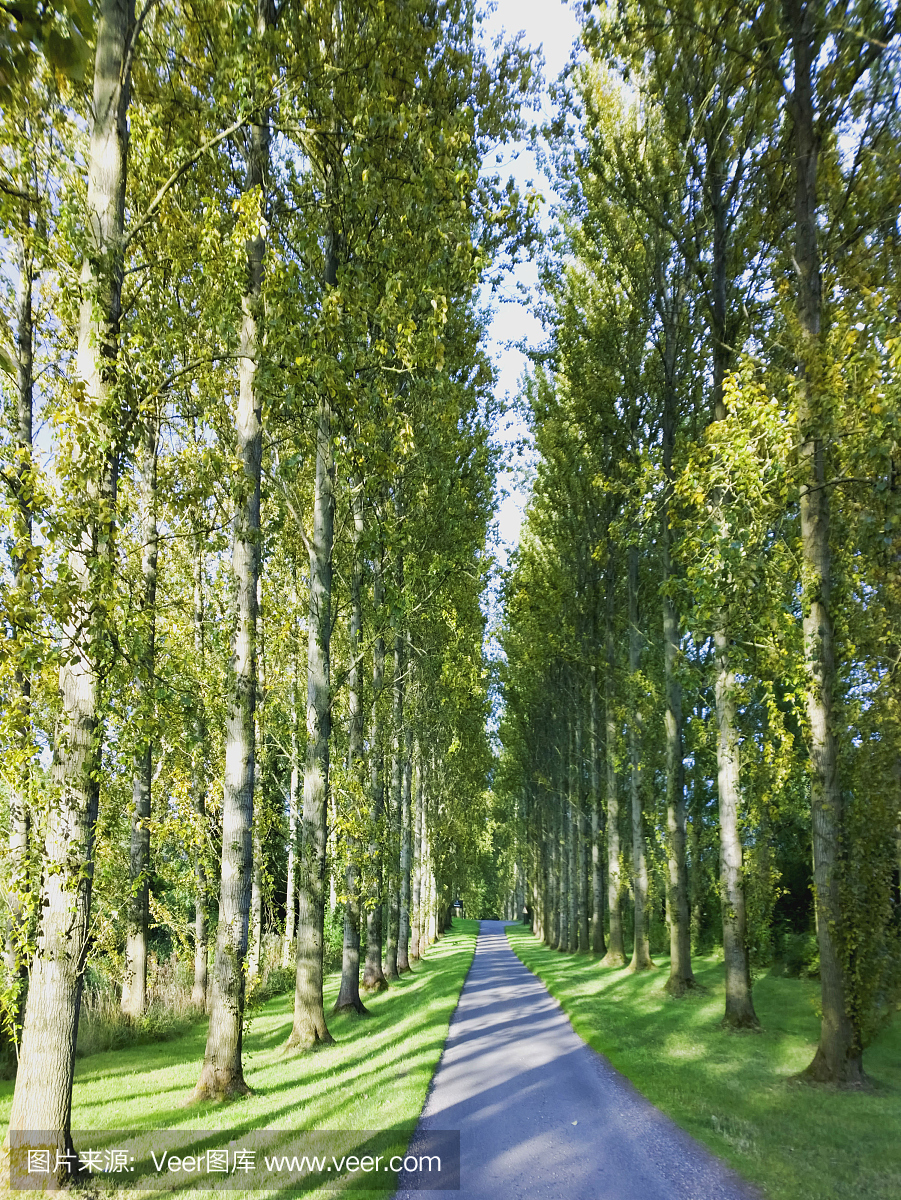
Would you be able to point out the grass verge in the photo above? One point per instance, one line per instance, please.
(375, 1076)
(734, 1092)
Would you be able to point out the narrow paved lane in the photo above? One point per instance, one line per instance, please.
(541, 1114)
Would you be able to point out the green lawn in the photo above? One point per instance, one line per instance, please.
(735, 1091)
(374, 1078)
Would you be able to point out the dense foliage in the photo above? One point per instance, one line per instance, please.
(701, 726)
(248, 475)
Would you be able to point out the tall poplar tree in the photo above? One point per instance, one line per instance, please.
(43, 1095)
(222, 1072)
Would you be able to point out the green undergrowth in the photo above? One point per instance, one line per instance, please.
(735, 1091)
(375, 1076)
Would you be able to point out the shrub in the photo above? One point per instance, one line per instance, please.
(103, 1026)
(333, 949)
(798, 955)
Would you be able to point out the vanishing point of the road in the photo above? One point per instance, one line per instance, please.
(540, 1114)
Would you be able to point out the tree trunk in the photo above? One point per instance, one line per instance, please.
(539, 868)
(563, 845)
(222, 1073)
(425, 873)
(17, 890)
(288, 949)
(681, 976)
(349, 991)
(291, 884)
(198, 796)
(389, 958)
(309, 1016)
(839, 1055)
(581, 832)
(641, 953)
(616, 951)
(598, 944)
(575, 899)
(572, 841)
(559, 896)
(373, 977)
(403, 938)
(255, 944)
(43, 1093)
(694, 850)
(255, 941)
(740, 1012)
(134, 986)
(431, 925)
(416, 910)
(739, 1004)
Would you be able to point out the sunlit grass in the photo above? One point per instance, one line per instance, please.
(736, 1092)
(374, 1077)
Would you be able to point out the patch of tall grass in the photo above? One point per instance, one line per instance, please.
(170, 1012)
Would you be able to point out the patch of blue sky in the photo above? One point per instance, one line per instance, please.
(551, 29)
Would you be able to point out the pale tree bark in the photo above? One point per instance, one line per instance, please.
(563, 850)
(134, 985)
(739, 1012)
(582, 839)
(552, 811)
(373, 977)
(255, 942)
(552, 932)
(681, 976)
(309, 1027)
(839, 1054)
(291, 888)
(389, 954)
(431, 913)
(538, 880)
(558, 859)
(572, 849)
(416, 907)
(16, 897)
(199, 794)
(571, 816)
(598, 943)
(698, 802)
(222, 1073)
(332, 853)
(43, 1093)
(403, 937)
(616, 951)
(544, 881)
(694, 879)
(641, 953)
(425, 872)
(584, 882)
(572, 841)
(349, 992)
(291, 883)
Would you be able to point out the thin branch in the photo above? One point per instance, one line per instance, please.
(135, 34)
(177, 174)
(10, 189)
(194, 363)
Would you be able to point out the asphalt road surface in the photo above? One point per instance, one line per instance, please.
(540, 1114)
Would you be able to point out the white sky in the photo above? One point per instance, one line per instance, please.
(552, 26)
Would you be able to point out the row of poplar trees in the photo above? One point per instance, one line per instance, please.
(247, 480)
(702, 689)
